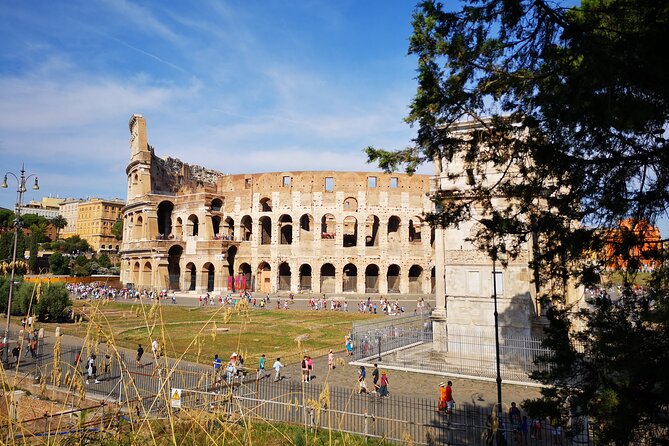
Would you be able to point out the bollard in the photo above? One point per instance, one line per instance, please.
(366, 427)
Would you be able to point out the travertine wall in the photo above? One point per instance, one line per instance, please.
(191, 228)
(464, 274)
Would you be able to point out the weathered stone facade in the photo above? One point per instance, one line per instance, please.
(191, 228)
(464, 279)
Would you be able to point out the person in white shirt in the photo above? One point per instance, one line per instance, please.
(277, 369)
(154, 348)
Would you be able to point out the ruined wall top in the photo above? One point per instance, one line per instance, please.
(171, 175)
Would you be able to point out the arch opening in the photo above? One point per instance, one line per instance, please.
(286, 230)
(372, 279)
(165, 209)
(284, 277)
(265, 230)
(415, 279)
(372, 231)
(173, 267)
(306, 228)
(328, 278)
(393, 278)
(192, 225)
(350, 232)
(305, 277)
(350, 278)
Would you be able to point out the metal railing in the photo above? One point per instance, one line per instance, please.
(408, 342)
(397, 418)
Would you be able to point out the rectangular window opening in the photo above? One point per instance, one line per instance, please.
(286, 181)
(498, 281)
(394, 181)
(329, 184)
(371, 182)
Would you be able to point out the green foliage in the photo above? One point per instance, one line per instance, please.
(58, 222)
(34, 220)
(53, 303)
(71, 245)
(4, 292)
(104, 261)
(59, 264)
(556, 104)
(83, 270)
(32, 261)
(117, 230)
(6, 218)
(7, 243)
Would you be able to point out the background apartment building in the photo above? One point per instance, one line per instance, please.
(95, 219)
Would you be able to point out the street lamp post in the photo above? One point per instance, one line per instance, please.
(495, 256)
(21, 180)
(494, 295)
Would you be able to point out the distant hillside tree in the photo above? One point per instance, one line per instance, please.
(58, 222)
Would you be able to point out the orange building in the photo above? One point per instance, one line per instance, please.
(639, 238)
(94, 222)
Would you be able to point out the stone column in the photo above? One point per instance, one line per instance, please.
(162, 277)
(383, 279)
(404, 277)
(339, 277)
(383, 234)
(316, 278)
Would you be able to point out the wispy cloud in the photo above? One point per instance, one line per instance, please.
(144, 19)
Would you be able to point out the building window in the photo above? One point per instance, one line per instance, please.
(371, 182)
(286, 181)
(499, 281)
(394, 182)
(247, 183)
(329, 184)
(473, 283)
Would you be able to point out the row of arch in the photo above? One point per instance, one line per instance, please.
(351, 278)
(350, 204)
(352, 231)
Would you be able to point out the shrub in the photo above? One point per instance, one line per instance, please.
(53, 303)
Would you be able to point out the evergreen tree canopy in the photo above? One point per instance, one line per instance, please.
(571, 106)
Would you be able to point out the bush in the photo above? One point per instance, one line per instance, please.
(59, 264)
(53, 304)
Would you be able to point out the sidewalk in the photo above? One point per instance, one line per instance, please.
(479, 393)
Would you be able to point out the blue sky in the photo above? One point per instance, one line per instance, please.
(242, 87)
(249, 86)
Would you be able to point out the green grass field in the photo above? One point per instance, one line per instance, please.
(197, 333)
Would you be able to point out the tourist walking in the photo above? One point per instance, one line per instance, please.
(331, 365)
(310, 368)
(140, 353)
(217, 364)
(277, 369)
(106, 367)
(450, 402)
(362, 385)
(154, 348)
(261, 367)
(383, 389)
(442, 398)
(375, 377)
(231, 372)
(91, 369)
(304, 366)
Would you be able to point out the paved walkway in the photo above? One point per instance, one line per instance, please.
(480, 393)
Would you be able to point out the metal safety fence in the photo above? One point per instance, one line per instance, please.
(408, 342)
(396, 418)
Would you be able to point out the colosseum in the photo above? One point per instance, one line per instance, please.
(194, 229)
